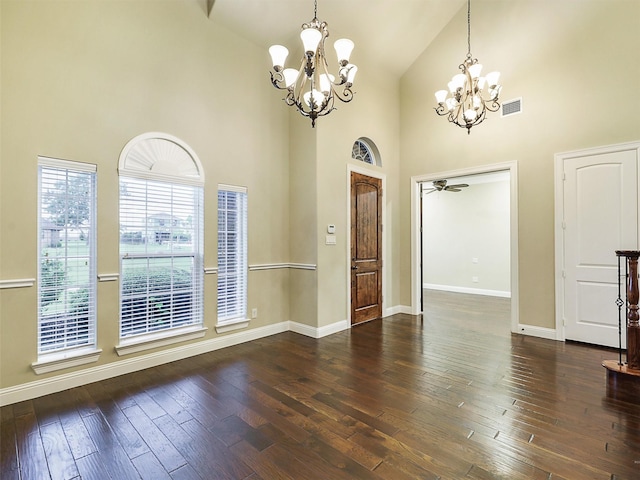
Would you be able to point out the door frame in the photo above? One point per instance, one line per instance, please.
(559, 159)
(416, 281)
(383, 177)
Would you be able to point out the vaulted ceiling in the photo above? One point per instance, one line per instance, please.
(392, 31)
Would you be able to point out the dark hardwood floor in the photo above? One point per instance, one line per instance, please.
(452, 396)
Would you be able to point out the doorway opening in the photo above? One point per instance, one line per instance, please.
(464, 241)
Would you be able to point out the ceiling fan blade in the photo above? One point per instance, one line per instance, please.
(430, 190)
(449, 189)
(459, 185)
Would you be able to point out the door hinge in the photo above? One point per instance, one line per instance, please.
(564, 274)
(564, 225)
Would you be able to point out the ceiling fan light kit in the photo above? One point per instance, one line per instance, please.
(311, 88)
(464, 103)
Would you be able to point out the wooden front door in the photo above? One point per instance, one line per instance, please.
(366, 248)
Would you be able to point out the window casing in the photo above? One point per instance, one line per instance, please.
(67, 257)
(161, 242)
(232, 254)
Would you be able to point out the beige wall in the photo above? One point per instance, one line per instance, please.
(86, 77)
(80, 79)
(573, 64)
(320, 184)
(373, 114)
(304, 212)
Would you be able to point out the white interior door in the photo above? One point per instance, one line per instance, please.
(600, 212)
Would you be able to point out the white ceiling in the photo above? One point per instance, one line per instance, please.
(393, 31)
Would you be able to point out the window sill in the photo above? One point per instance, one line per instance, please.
(59, 361)
(231, 326)
(147, 342)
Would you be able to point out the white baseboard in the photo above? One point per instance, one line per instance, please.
(65, 381)
(58, 383)
(541, 332)
(46, 386)
(472, 291)
(397, 309)
(314, 332)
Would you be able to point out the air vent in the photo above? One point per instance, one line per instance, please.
(512, 107)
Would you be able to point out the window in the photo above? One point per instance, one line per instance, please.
(365, 151)
(232, 254)
(161, 263)
(161, 230)
(66, 246)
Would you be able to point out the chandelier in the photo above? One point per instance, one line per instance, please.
(311, 88)
(466, 106)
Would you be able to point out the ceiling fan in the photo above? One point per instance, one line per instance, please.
(440, 185)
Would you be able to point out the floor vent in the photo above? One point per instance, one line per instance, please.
(512, 107)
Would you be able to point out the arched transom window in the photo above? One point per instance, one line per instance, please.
(365, 151)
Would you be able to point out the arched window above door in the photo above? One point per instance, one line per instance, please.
(366, 151)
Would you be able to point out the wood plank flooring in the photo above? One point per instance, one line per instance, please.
(450, 396)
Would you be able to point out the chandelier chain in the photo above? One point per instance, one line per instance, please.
(315, 9)
(468, 28)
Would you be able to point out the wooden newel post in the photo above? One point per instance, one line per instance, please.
(633, 315)
(623, 381)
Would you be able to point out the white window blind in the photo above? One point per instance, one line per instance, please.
(161, 256)
(66, 246)
(232, 254)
